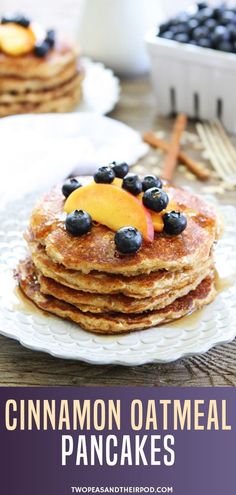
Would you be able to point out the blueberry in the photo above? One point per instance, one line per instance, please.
(226, 46)
(180, 28)
(128, 240)
(174, 222)
(155, 199)
(210, 24)
(220, 34)
(232, 32)
(199, 33)
(181, 38)
(16, 18)
(78, 222)
(120, 169)
(205, 43)
(132, 184)
(227, 17)
(164, 27)
(151, 181)
(50, 37)
(202, 5)
(104, 175)
(193, 24)
(41, 48)
(69, 186)
(204, 14)
(169, 35)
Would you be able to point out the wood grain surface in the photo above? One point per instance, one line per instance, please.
(19, 366)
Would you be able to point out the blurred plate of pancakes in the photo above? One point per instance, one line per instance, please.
(42, 72)
(120, 302)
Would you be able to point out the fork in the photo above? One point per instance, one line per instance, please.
(221, 152)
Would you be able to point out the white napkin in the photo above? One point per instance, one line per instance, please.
(40, 150)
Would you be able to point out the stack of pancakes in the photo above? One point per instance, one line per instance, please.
(86, 280)
(29, 84)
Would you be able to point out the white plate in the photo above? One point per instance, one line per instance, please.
(213, 325)
(101, 89)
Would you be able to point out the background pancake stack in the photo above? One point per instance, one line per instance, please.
(86, 280)
(30, 83)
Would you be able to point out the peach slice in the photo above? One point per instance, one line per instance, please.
(157, 218)
(111, 206)
(16, 40)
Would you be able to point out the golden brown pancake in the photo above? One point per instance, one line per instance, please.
(45, 95)
(29, 84)
(63, 103)
(17, 84)
(96, 250)
(140, 286)
(112, 322)
(96, 303)
(30, 67)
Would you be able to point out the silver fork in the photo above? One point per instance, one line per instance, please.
(221, 152)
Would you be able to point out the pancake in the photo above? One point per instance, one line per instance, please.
(18, 85)
(31, 84)
(45, 95)
(30, 67)
(96, 303)
(64, 103)
(96, 251)
(112, 323)
(140, 286)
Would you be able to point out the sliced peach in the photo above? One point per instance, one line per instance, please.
(16, 40)
(157, 218)
(111, 206)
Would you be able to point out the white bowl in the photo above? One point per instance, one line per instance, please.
(198, 81)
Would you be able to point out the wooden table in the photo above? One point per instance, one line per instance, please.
(19, 366)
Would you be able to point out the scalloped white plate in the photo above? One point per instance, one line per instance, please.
(215, 324)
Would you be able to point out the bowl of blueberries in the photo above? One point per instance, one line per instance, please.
(193, 63)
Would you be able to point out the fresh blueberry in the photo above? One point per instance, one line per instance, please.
(232, 32)
(150, 181)
(41, 48)
(132, 184)
(155, 199)
(128, 240)
(205, 43)
(164, 27)
(210, 24)
(78, 222)
(104, 175)
(199, 33)
(16, 18)
(219, 35)
(193, 24)
(204, 14)
(168, 35)
(69, 186)
(120, 169)
(181, 38)
(202, 5)
(50, 37)
(227, 17)
(218, 12)
(174, 222)
(226, 46)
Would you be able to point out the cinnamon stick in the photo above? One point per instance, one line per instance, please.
(174, 148)
(200, 172)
